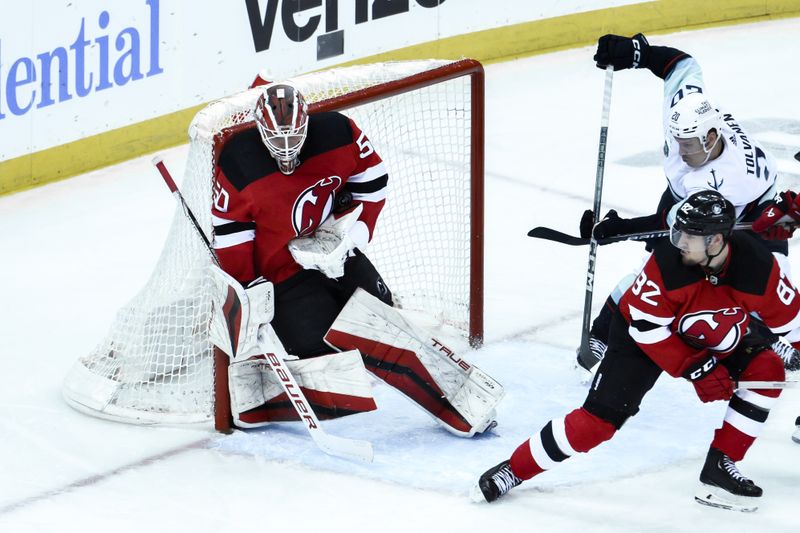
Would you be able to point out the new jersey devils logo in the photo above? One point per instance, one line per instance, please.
(314, 205)
(719, 330)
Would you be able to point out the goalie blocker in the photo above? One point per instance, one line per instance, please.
(457, 395)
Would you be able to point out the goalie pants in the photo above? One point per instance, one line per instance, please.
(307, 303)
(623, 378)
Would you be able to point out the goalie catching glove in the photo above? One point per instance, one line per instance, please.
(330, 245)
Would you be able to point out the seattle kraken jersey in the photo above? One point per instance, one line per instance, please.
(743, 173)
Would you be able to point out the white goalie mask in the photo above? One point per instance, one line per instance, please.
(281, 116)
(693, 117)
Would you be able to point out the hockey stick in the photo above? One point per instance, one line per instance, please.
(788, 384)
(587, 359)
(330, 444)
(550, 234)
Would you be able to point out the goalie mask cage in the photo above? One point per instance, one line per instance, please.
(425, 119)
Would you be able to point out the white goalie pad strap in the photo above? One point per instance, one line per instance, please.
(327, 249)
(472, 392)
(238, 312)
(252, 383)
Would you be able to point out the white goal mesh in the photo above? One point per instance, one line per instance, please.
(156, 363)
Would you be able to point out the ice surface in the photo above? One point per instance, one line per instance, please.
(77, 250)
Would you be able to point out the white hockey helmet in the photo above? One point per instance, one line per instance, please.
(281, 116)
(693, 116)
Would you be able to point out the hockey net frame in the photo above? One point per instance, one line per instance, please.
(85, 390)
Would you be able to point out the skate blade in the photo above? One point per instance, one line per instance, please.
(476, 494)
(722, 499)
(796, 436)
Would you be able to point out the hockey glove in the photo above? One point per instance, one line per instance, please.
(780, 218)
(330, 245)
(587, 223)
(622, 52)
(711, 380)
(612, 225)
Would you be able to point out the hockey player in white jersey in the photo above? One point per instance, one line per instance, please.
(705, 147)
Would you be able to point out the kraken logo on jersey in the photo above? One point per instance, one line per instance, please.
(719, 330)
(314, 205)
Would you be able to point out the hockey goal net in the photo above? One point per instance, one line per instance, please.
(425, 118)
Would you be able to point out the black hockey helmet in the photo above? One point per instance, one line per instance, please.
(705, 213)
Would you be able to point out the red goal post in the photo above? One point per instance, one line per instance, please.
(426, 119)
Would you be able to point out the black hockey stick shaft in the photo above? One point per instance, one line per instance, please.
(587, 359)
(550, 234)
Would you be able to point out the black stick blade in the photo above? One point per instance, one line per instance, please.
(557, 236)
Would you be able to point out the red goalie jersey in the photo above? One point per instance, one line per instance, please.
(257, 210)
(677, 314)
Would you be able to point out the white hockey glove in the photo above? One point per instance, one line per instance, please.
(237, 313)
(330, 245)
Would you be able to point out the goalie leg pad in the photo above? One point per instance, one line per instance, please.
(335, 385)
(458, 395)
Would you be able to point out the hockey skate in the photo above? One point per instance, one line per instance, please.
(790, 356)
(796, 436)
(723, 486)
(494, 483)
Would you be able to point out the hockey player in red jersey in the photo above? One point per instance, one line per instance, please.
(687, 314)
(779, 220)
(704, 147)
(296, 201)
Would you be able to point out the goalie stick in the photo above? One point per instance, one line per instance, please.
(331, 444)
(550, 234)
